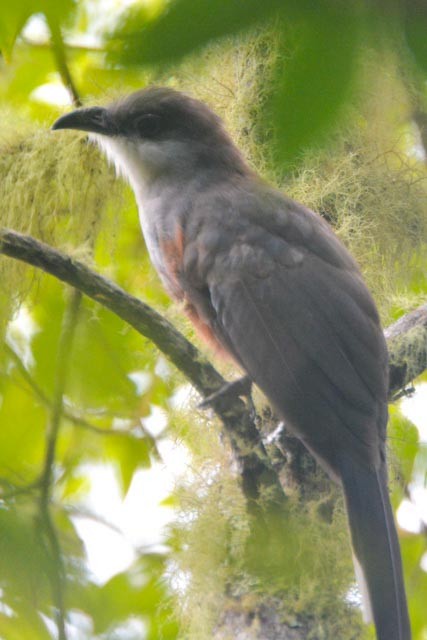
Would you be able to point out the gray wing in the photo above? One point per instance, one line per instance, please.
(300, 320)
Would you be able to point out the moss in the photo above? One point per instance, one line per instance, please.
(212, 528)
(371, 189)
(55, 188)
(408, 352)
(366, 181)
(373, 192)
(227, 561)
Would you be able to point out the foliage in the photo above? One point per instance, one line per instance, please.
(320, 42)
(320, 96)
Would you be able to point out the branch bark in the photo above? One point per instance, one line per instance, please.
(258, 476)
(407, 340)
(407, 344)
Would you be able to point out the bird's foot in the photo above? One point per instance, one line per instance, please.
(407, 392)
(240, 387)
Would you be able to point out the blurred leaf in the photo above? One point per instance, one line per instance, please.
(147, 35)
(309, 92)
(60, 10)
(416, 30)
(24, 625)
(140, 591)
(103, 353)
(28, 70)
(22, 435)
(22, 558)
(75, 486)
(95, 79)
(185, 25)
(102, 359)
(13, 16)
(71, 544)
(413, 548)
(403, 438)
(130, 453)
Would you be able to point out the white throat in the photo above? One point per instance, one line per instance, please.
(127, 159)
(144, 162)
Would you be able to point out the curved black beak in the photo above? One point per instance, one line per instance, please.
(93, 119)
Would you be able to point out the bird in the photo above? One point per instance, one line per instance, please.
(268, 284)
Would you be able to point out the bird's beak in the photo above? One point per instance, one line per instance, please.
(93, 119)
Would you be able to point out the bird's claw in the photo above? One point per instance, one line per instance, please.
(407, 392)
(240, 387)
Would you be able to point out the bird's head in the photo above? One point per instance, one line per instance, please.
(158, 132)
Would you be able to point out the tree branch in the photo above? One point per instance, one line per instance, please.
(406, 339)
(407, 345)
(258, 476)
(58, 49)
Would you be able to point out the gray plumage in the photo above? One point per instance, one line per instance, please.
(266, 281)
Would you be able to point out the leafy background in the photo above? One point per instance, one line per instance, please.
(328, 100)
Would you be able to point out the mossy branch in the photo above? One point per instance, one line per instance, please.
(407, 344)
(258, 475)
(406, 339)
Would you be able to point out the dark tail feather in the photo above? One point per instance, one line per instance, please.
(376, 548)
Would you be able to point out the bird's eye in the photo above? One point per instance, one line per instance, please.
(148, 125)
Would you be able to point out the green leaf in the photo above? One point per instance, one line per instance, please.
(75, 487)
(307, 92)
(130, 453)
(13, 16)
(28, 69)
(24, 625)
(138, 592)
(22, 435)
(413, 549)
(22, 558)
(185, 25)
(404, 440)
(103, 353)
(415, 26)
(310, 89)
(95, 79)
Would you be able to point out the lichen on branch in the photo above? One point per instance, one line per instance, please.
(258, 476)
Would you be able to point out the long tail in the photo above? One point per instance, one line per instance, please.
(376, 548)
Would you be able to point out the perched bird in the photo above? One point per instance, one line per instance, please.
(266, 281)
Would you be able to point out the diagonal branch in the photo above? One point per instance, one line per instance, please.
(58, 49)
(406, 339)
(258, 475)
(407, 345)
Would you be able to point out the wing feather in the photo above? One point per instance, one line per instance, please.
(309, 337)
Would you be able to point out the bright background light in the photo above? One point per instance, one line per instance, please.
(137, 522)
